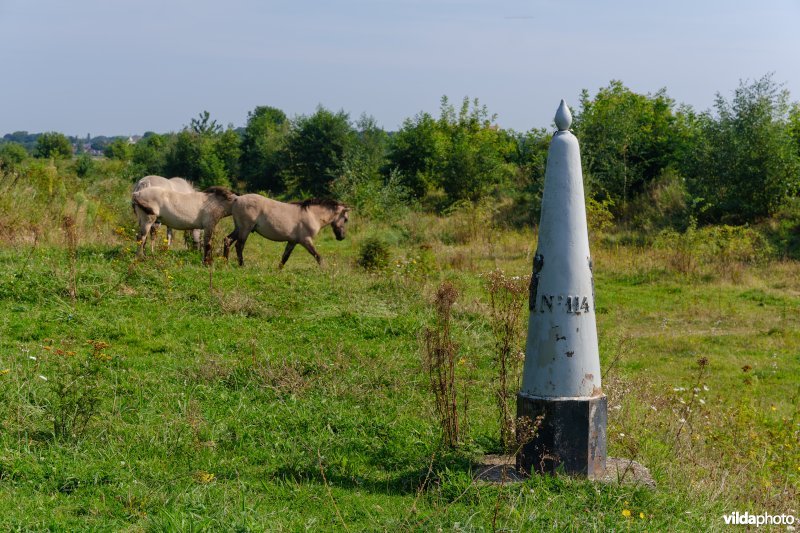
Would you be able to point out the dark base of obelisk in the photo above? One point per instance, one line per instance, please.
(571, 436)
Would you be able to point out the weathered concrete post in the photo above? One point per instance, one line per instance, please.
(561, 376)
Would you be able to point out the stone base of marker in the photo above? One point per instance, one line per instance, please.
(571, 437)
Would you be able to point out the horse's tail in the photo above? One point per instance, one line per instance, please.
(135, 202)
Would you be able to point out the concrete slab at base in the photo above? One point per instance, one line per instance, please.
(627, 472)
(572, 435)
(501, 469)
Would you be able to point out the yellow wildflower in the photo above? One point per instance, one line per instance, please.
(626, 513)
(203, 477)
(5, 371)
(641, 515)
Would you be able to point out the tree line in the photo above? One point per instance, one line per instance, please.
(647, 160)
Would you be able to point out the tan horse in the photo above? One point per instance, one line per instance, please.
(182, 210)
(294, 223)
(176, 184)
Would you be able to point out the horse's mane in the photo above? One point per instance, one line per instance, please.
(324, 202)
(221, 192)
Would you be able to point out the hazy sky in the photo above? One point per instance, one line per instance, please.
(113, 67)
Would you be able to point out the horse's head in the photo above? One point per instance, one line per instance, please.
(340, 218)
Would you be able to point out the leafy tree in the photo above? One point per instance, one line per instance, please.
(11, 155)
(462, 152)
(211, 168)
(263, 146)
(203, 125)
(363, 183)
(120, 149)
(53, 144)
(227, 148)
(204, 153)
(476, 151)
(370, 145)
(744, 163)
(529, 159)
(415, 152)
(794, 125)
(627, 140)
(183, 157)
(100, 142)
(316, 150)
(27, 140)
(150, 154)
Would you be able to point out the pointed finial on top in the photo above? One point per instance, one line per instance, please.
(563, 117)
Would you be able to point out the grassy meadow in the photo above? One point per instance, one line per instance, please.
(158, 394)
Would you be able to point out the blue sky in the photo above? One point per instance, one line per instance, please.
(116, 67)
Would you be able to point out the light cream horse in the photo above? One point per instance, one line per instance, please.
(176, 184)
(182, 210)
(294, 223)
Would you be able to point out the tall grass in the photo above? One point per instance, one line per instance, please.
(441, 354)
(507, 296)
(37, 195)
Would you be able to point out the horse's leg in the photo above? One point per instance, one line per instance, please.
(241, 239)
(308, 245)
(146, 223)
(197, 238)
(145, 227)
(286, 253)
(153, 231)
(227, 241)
(169, 237)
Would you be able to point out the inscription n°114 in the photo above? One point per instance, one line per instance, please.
(568, 303)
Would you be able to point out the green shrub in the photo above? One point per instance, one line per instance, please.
(733, 243)
(599, 218)
(83, 165)
(665, 204)
(783, 230)
(721, 246)
(11, 155)
(373, 254)
(469, 221)
(374, 198)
